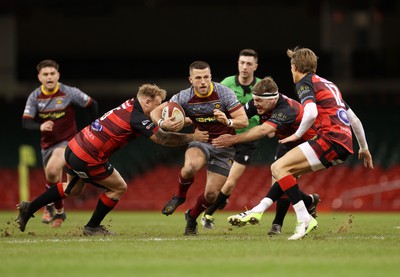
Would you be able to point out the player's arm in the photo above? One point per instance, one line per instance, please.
(309, 116)
(177, 139)
(167, 124)
(30, 124)
(93, 109)
(238, 118)
(252, 134)
(358, 129)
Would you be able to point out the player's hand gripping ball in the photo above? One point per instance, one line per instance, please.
(174, 109)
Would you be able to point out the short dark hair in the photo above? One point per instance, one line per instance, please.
(249, 52)
(198, 65)
(47, 63)
(265, 85)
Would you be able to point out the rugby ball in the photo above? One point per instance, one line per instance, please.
(174, 109)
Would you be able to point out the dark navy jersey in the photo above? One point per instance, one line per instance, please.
(285, 117)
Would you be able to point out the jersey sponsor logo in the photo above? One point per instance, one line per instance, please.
(88, 134)
(52, 115)
(206, 119)
(96, 126)
(343, 117)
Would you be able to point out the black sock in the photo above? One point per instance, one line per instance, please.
(99, 213)
(282, 206)
(306, 199)
(293, 193)
(49, 196)
(221, 198)
(275, 192)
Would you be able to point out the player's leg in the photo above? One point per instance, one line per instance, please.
(235, 173)
(115, 187)
(54, 170)
(218, 169)
(195, 159)
(54, 193)
(214, 183)
(284, 169)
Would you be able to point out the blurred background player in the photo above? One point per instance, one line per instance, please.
(242, 84)
(50, 109)
(88, 152)
(279, 116)
(216, 109)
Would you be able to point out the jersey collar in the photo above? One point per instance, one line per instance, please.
(208, 94)
(45, 92)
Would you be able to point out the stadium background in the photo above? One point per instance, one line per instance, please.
(108, 48)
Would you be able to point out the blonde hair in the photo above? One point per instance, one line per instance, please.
(151, 91)
(304, 59)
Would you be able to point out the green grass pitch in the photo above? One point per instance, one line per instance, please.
(151, 244)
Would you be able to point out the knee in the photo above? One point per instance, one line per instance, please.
(210, 196)
(275, 171)
(189, 170)
(229, 186)
(122, 189)
(52, 174)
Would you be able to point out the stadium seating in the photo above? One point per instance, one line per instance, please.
(342, 188)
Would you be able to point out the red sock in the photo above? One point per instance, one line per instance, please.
(184, 185)
(200, 206)
(60, 203)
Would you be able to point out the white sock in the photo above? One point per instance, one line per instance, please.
(264, 204)
(301, 211)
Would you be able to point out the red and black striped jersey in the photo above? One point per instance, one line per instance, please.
(332, 121)
(96, 142)
(57, 107)
(200, 109)
(285, 118)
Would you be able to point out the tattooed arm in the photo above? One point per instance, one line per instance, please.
(177, 139)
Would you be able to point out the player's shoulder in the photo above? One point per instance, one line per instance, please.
(183, 96)
(228, 80)
(220, 88)
(36, 92)
(68, 89)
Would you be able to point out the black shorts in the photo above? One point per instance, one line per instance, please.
(88, 172)
(281, 150)
(245, 152)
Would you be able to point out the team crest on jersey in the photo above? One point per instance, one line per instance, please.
(343, 117)
(59, 101)
(217, 105)
(302, 90)
(96, 126)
